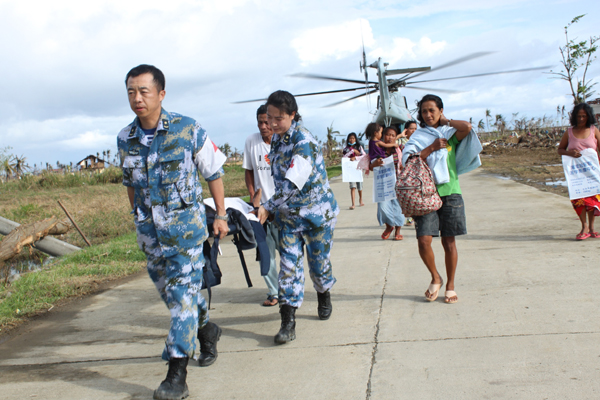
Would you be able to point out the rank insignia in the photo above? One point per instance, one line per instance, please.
(286, 139)
(165, 124)
(132, 132)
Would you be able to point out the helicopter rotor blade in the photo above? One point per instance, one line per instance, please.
(485, 74)
(247, 101)
(333, 91)
(456, 61)
(406, 70)
(330, 78)
(310, 94)
(434, 90)
(352, 98)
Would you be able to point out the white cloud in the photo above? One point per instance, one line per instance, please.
(91, 140)
(336, 41)
(402, 50)
(63, 93)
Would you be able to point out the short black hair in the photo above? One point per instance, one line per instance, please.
(409, 123)
(591, 120)
(261, 110)
(393, 128)
(428, 97)
(157, 75)
(284, 102)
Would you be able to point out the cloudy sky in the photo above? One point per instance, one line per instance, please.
(63, 64)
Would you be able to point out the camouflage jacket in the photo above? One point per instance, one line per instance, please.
(303, 199)
(168, 210)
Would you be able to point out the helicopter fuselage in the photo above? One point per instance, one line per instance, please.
(392, 107)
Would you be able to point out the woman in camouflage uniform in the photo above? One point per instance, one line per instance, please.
(304, 209)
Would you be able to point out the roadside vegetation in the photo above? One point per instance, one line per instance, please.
(98, 203)
(74, 275)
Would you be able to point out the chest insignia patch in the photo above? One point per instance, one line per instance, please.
(134, 152)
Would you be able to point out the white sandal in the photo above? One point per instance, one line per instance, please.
(434, 291)
(449, 294)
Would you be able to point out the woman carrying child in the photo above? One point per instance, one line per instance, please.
(388, 212)
(352, 150)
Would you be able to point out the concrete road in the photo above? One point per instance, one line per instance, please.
(526, 325)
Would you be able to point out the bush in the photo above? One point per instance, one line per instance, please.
(51, 180)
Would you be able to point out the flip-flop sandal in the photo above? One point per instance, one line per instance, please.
(386, 234)
(434, 291)
(399, 237)
(270, 302)
(449, 294)
(583, 236)
(595, 235)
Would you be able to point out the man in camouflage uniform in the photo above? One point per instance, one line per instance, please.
(305, 212)
(162, 155)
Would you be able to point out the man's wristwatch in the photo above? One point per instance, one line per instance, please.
(222, 217)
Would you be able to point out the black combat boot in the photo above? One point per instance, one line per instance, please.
(287, 333)
(174, 386)
(324, 308)
(209, 335)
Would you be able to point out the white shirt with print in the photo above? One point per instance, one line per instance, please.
(256, 158)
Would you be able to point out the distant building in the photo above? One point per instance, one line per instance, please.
(92, 163)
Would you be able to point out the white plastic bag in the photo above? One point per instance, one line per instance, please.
(582, 174)
(350, 171)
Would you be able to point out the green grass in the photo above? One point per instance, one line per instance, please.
(49, 180)
(73, 275)
(333, 171)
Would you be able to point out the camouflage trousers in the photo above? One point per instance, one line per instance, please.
(178, 279)
(318, 244)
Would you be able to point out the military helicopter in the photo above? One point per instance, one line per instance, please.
(392, 108)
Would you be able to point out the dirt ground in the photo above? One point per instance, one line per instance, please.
(532, 161)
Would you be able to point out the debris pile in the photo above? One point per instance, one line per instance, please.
(541, 139)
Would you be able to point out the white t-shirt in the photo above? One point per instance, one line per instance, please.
(256, 158)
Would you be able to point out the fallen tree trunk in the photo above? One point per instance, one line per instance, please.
(60, 228)
(48, 245)
(24, 235)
